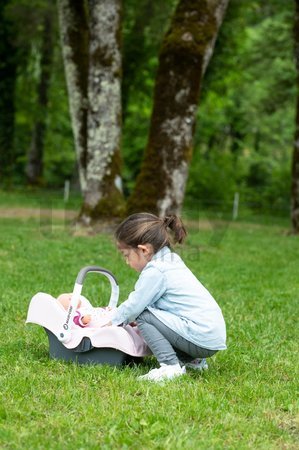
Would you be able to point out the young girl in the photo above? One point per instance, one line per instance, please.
(176, 315)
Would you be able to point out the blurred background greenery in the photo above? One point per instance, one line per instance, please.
(246, 117)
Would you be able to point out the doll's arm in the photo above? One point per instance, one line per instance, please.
(81, 320)
(86, 319)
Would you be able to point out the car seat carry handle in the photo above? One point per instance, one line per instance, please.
(65, 334)
(113, 282)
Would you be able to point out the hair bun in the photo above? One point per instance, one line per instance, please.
(176, 226)
(168, 220)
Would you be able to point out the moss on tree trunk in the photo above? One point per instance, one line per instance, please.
(185, 53)
(91, 42)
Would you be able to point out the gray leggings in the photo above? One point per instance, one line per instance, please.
(168, 347)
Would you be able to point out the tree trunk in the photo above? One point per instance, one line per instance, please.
(295, 161)
(91, 46)
(185, 53)
(103, 194)
(34, 168)
(74, 41)
(8, 65)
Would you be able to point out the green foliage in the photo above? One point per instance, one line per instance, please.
(248, 108)
(8, 64)
(247, 398)
(59, 157)
(247, 111)
(267, 185)
(214, 179)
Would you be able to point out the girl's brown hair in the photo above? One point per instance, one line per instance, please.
(146, 228)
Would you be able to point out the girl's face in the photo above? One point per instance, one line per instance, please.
(136, 258)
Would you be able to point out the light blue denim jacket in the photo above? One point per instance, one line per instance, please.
(168, 289)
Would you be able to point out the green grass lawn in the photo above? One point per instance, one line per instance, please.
(247, 398)
(39, 198)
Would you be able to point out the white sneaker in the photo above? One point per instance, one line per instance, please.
(198, 364)
(165, 372)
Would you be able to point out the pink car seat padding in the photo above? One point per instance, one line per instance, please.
(44, 310)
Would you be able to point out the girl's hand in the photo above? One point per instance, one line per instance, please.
(107, 324)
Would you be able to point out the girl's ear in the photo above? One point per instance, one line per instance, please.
(147, 249)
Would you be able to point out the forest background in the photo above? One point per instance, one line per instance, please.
(245, 126)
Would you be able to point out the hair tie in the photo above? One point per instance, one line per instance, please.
(167, 221)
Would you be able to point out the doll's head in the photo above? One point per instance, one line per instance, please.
(65, 300)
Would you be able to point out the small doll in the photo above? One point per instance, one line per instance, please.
(87, 315)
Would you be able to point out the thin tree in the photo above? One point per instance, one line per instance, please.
(90, 35)
(34, 167)
(185, 53)
(134, 51)
(295, 161)
(8, 74)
